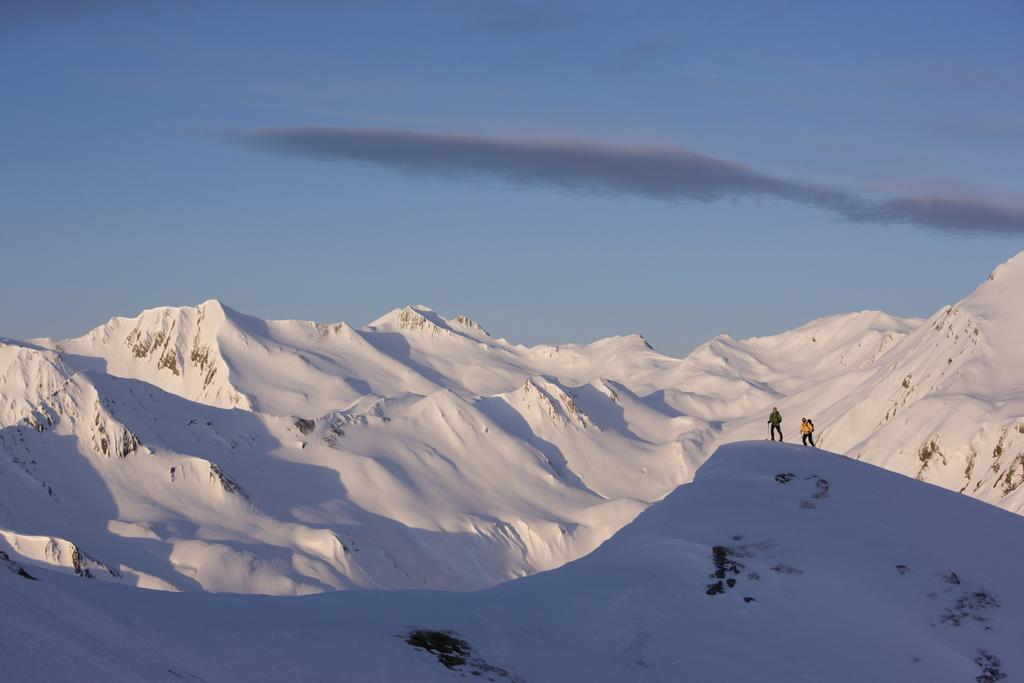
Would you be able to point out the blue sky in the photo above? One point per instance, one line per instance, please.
(559, 171)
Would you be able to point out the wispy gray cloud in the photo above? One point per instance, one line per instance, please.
(638, 55)
(522, 18)
(14, 12)
(654, 172)
(950, 215)
(994, 131)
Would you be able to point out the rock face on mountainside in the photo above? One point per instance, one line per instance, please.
(176, 349)
(778, 563)
(199, 448)
(28, 375)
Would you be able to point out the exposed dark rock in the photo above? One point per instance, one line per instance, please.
(169, 360)
(971, 606)
(227, 483)
(200, 355)
(76, 563)
(784, 478)
(991, 667)
(111, 438)
(36, 423)
(128, 443)
(6, 561)
(821, 491)
(972, 457)
(455, 653)
(1013, 476)
(303, 425)
(449, 649)
(140, 347)
(469, 322)
(786, 569)
(724, 565)
(79, 559)
(902, 569)
(928, 451)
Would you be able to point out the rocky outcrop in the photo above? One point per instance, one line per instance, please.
(56, 553)
(468, 322)
(11, 565)
(553, 401)
(227, 484)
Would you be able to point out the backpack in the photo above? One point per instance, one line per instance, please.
(811, 425)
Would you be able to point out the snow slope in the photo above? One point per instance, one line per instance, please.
(199, 448)
(209, 450)
(777, 563)
(945, 404)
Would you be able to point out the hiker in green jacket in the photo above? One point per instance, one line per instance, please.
(775, 420)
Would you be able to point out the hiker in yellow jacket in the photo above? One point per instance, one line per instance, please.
(807, 431)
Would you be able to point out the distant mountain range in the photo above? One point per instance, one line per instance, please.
(201, 449)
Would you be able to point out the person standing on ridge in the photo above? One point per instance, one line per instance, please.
(775, 420)
(807, 431)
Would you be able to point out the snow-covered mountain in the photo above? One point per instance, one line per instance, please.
(203, 449)
(945, 404)
(777, 563)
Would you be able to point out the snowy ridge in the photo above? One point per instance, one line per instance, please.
(176, 349)
(777, 563)
(28, 374)
(216, 451)
(946, 404)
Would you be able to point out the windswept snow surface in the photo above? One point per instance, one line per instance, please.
(201, 449)
(778, 563)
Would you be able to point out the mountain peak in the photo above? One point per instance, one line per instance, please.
(412, 318)
(1012, 267)
(467, 322)
(998, 296)
(28, 374)
(214, 306)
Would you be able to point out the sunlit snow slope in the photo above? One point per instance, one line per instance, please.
(778, 563)
(203, 449)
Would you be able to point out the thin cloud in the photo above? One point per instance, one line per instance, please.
(517, 19)
(639, 55)
(657, 173)
(999, 132)
(14, 12)
(950, 215)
